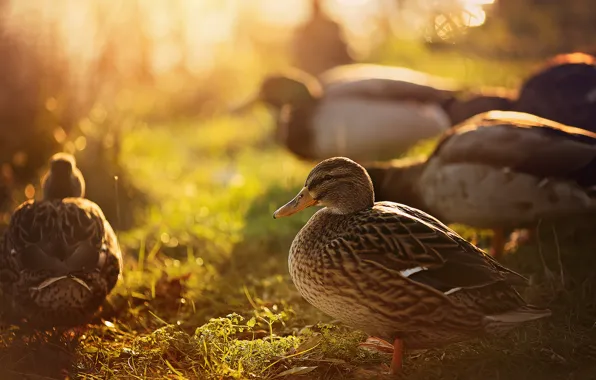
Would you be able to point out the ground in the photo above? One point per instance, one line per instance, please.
(206, 292)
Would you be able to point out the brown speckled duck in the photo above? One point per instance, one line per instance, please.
(393, 271)
(498, 170)
(365, 111)
(60, 257)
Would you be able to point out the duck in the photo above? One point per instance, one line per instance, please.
(393, 271)
(563, 90)
(500, 170)
(59, 257)
(364, 111)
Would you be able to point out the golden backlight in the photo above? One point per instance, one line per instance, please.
(197, 30)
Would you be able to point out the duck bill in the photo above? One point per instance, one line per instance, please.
(300, 202)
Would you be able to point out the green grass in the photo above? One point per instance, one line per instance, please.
(206, 292)
(468, 69)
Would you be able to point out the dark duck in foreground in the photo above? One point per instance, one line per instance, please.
(393, 271)
(59, 257)
(499, 170)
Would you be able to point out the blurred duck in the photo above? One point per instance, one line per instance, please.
(564, 91)
(366, 112)
(59, 257)
(393, 271)
(498, 170)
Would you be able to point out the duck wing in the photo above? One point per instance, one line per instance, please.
(421, 248)
(60, 237)
(524, 143)
(100, 251)
(386, 82)
(33, 258)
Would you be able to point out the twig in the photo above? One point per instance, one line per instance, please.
(559, 259)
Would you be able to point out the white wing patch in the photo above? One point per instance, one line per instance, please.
(451, 291)
(52, 280)
(408, 272)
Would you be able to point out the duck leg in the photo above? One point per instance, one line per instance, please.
(380, 345)
(498, 243)
(398, 353)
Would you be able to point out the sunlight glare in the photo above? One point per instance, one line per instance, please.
(196, 35)
(359, 18)
(351, 3)
(473, 15)
(477, 2)
(287, 13)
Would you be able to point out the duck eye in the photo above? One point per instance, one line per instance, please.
(327, 177)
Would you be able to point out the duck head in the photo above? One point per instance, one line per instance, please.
(64, 179)
(293, 88)
(339, 184)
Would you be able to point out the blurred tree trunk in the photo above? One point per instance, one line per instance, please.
(180, 39)
(144, 71)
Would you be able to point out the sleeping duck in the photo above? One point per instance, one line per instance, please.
(564, 91)
(393, 271)
(366, 112)
(498, 170)
(59, 256)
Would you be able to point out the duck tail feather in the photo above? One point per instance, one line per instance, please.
(522, 314)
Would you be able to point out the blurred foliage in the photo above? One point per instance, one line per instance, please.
(41, 113)
(34, 114)
(466, 67)
(526, 29)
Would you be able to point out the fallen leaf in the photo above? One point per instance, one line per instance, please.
(309, 343)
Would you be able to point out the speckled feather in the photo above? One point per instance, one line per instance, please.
(46, 238)
(356, 268)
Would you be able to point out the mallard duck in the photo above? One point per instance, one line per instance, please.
(393, 271)
(60, 257)
(498, 170)
(363, 111)
(564, 90)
